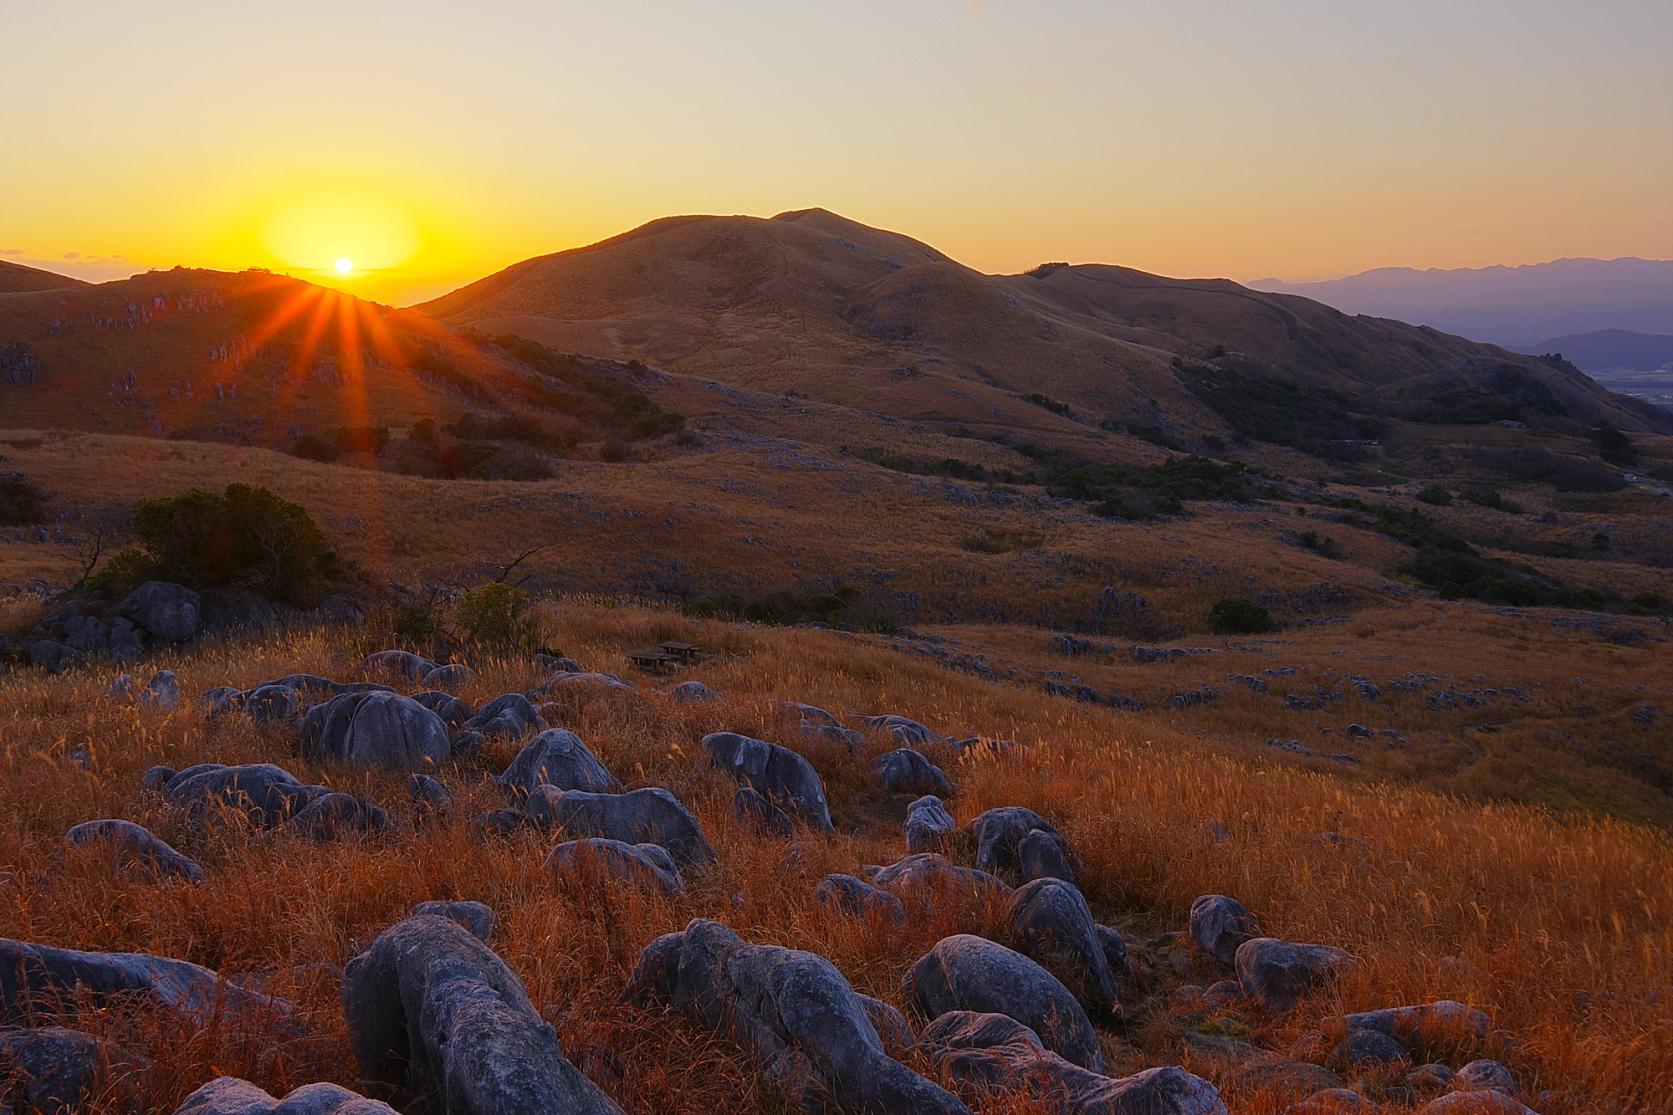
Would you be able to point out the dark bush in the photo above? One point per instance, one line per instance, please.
(21, 503)
(1614, 446)
(1324, 547)
(244, 537)
(496, 617)
(312, 447)
(1050, 404)
(1238, 616)
(1436, 495)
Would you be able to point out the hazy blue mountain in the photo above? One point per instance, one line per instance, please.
(1518, 307)
(1612, 350)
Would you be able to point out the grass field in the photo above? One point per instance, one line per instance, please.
(1558, 928)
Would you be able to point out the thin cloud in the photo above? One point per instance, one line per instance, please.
(11, 251)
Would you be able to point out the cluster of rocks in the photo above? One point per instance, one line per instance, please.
(155, 615)
(437, 1020)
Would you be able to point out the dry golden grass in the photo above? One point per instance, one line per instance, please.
(1559, 929)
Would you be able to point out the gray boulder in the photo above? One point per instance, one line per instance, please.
(264, 794)
(53, 657)
(969, 973)
(162, 692)
(54, 1070)
(777, 772)
(453, 711)
(1442, 1021)
(1485, 1102)
(754, 813)
(1044, 855)
(228, 1095)
(1279, 973)
(508, 716)
(811, 714)
(1219, 924)
(1485, 1075)
(813, 1034)
(924, 877)
(375, 729)
(642, 865)
(434, 1014)
(397, 663)
(650, 815)
(906, 732)
(32, 975)
(858, 897)
(266, 704)
(556, 757)
(1360, 1049)
(905, 771)
(1051, 924)
(448, 677)
(336, 816)
(1001, 832)
(142, 853)
(929, 827)
(991, 1052)
(170, 613)
(477, 917)
(692, 693)
(429, 797)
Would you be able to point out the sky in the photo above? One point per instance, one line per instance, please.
(428, 144)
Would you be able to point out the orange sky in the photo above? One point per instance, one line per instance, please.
(432, 144)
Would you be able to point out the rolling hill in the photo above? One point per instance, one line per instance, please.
(813, 303)
(1612, 350)
(16, 277)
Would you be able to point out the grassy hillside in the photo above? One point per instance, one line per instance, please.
(1558, 929)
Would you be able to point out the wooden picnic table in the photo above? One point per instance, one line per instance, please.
(654, 661)
(685, 652)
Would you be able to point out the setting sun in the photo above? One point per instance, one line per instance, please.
(344, 265)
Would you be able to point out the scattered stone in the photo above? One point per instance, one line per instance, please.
(645, 865)
(1485, 1102)
(170, 613)
(1485, 1075)
(991, 1052)
(1051, 924)
(508, 716)
(969, 973)
(1438, 1021)
(375, 729)
(925, 876)
(754, 813)
(1292, 1080)
(649, 815)
(142, 853)
(692, 693)
(929, 826)
(1278, 972)
(428, 796)
(905, 771)
(432, 1011)
(402, 663)
(54, 1070)
(448, 677)
(907, 732)
(1000, 834)
(1430, 1076)
(777, 772)
(336, 816)
(814, 1033)
(556, 757)
(31, 974)
(267, 704)
(453, 711)
(1219, 925)
(860, 898)
(1332, 1101)
(477, 917)
(1361, 1049)
(228, 1095)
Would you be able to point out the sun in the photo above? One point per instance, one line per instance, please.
(344, 265)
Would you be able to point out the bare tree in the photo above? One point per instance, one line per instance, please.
(103, 531)
(519, 560)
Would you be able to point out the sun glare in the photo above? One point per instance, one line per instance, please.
(340, 235)
(344, 265)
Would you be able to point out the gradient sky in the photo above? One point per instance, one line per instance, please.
(435, 143)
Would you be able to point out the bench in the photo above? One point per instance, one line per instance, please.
(651, 661)
(685, 652)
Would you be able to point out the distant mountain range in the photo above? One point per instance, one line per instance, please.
(1518, 307)
(1612, 350)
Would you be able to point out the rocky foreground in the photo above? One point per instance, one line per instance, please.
(1019, 1011)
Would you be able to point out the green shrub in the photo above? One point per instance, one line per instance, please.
(1436, 495)
(1238, 616)
(123, 572)
(496, 617)
(21, 503)
(1050, 404)
(1614, 446)
(244, 537)
(1323, 546)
